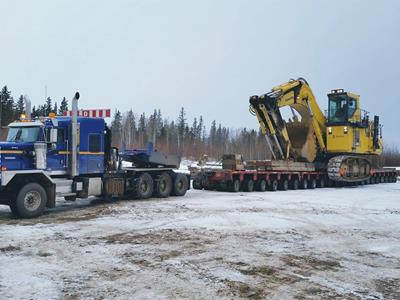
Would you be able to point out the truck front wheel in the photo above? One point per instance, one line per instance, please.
(30, 201)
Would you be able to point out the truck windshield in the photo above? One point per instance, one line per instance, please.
(23, 134)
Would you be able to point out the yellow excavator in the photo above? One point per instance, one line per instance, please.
(342, 142)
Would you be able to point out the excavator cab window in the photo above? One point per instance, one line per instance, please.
(341, 108)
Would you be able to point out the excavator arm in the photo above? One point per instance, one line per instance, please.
(296, 139)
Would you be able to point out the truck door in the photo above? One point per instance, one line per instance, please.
(95, 155)
(57, 152)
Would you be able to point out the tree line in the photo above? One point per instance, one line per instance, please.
(188, 138)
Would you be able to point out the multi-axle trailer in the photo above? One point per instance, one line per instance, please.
(262, 180)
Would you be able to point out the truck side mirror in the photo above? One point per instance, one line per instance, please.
(53, 135)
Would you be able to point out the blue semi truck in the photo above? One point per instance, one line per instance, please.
(72, 157)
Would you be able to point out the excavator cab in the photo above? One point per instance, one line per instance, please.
(347, 130)
(344, 108)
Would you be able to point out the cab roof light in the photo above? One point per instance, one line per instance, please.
(337, 91)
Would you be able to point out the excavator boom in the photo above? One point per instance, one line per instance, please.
(299, 139)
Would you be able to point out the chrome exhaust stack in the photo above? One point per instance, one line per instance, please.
(74, 168)
(28, 109)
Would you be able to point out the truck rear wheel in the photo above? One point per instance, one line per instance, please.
(181, 185)
(30, 201)
(145, 186)
(164, 185)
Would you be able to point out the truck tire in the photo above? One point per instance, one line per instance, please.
(145, 186)
(181, 185)
(163, 187)
(30, 201)
(248, 185)
(262, 185)
(234, 186)
(273, 186)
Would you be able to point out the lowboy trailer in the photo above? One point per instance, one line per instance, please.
(272, 180)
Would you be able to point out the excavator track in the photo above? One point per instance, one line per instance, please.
(349, 168)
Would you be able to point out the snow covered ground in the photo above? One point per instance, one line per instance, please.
(342, 243)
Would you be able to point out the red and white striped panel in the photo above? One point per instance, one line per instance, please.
(91, 113)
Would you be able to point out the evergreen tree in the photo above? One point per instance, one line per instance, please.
(7, 106)
(55, 108)
(181, 127)
(116, 129)
(48, 108)
(20, 106)
(63, 106)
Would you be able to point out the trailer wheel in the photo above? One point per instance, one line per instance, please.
(294, 184)
(30, 201)
(273, 186)
(284, 185)
(163, 187)
(304, 184)
(248, 185)
(321, 183)
(145, 186)
(312, 184)
(197, 185)
(262, 185)
(181, 185)
(234, 186)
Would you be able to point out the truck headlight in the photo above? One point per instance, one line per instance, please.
(330, 130)
(345, 129)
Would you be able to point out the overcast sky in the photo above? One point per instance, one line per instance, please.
(208, 56)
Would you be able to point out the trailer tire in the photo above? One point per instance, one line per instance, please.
(181, 185)
(30, 201)
(163, 186)
(248, 185)
(234, 186)
(294, 184)
(312, 184)
(145, 186)
(197, 185)
(284, 185)
(321, 183)
(304, 184)
(273, 186)
(262, 185)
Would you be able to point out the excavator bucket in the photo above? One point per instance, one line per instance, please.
(303, 140)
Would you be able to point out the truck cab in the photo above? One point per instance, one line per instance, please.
(54, 134)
